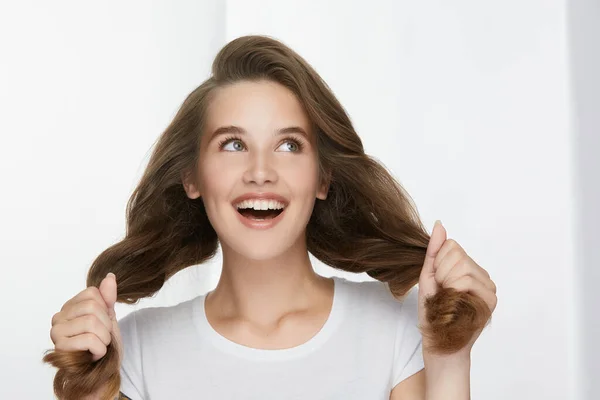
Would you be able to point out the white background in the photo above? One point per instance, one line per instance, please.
(485, 111)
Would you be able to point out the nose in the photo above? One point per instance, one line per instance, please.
(260, 169)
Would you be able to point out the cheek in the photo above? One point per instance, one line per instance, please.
(304, 175)
(216, 178)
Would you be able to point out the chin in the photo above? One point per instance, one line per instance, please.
(260, 252)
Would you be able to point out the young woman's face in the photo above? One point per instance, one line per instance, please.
(258, 171)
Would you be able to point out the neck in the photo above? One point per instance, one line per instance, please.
(264, 291)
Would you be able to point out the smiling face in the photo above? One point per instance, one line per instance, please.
(258, 173)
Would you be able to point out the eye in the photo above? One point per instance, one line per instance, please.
(231, 144)
(291, 145)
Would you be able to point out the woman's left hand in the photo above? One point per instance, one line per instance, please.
(447, 265)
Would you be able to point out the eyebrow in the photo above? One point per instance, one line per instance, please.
(232, 129)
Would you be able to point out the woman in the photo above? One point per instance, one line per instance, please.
(263, 160)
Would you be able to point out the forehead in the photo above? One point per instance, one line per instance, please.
(255, 106)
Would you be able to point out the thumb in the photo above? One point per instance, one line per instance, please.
(108, 290)
(438, 238)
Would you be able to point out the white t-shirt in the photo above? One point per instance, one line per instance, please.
(369, 343)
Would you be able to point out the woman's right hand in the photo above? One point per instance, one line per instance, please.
(86, 321)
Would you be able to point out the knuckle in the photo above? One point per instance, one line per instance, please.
(100, 305)
(88, 340)
(90, 292)
(91, 323)
(66, 305)
(93, 290)
(494, 301)
(451, 243)
(462, 256)
(60, 345)
(96, 339)
(106, 337)
(95, 344)
(54, 335)
(95, 294)
(91, 306)
(464, 266)
(468, 281)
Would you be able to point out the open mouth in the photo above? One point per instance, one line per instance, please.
(260, 210)
(259, 215)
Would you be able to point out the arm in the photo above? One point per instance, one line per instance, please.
(412, 388)
(442, 379)
(446, 265)
(448, 377)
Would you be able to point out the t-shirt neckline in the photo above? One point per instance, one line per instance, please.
(208, 333)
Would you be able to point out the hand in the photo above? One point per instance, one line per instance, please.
(447, 265)
(86, 321)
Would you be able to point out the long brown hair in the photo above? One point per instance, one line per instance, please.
(368, 222)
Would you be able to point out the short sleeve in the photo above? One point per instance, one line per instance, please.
(131, 364)
(408, 351)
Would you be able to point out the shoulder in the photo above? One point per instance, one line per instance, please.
(372, 304)
(157, 319)
(392, 322)
(376, 294)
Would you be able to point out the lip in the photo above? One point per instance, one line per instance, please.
(264, 224)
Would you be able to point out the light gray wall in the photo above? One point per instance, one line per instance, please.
(468, 103)
(584, 41)
(85, 90)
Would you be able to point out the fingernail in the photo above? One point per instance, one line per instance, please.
(110, 273)
(437, 222)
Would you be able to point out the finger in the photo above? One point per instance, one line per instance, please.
(89, 293)
(86, 341)
(458, 265)
(450, 245)
(84, 324)
(468, 267)
(446, 263)
(108, 290)
(427, 284)
(482, 276)
(491, 285)
(477, 273)
(437, 239)
(469, 284)
(82, 308)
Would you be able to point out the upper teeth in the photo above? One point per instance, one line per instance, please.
(261, 204)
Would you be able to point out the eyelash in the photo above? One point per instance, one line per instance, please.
(286, 139)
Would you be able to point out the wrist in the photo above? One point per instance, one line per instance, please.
(459, 359)
(448, 376)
